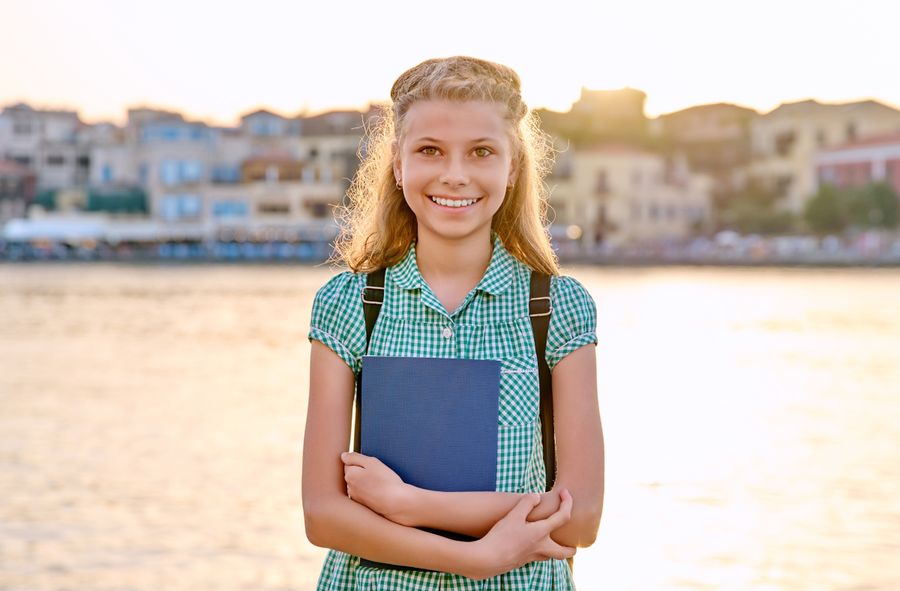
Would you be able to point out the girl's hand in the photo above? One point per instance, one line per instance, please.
(371, 483)
(513, 541)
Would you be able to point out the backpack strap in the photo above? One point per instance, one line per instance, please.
(539, 309)
(373, 298)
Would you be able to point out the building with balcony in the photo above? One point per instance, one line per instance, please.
(715, 139)
(859, 163)
(785, 142)
(17, 189)
(47, 142)
(619, 195)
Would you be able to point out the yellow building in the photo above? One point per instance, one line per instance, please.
(785, 142)
(619, 195)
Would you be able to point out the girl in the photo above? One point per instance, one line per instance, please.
(450, 200)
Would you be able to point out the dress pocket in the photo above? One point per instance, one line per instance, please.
(519, 391)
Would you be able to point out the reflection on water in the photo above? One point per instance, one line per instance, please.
(152, 418)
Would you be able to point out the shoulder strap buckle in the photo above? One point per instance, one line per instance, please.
(377, 301)
(538, 309)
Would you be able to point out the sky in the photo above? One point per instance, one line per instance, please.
(215, 61)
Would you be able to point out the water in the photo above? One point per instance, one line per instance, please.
(151, 421)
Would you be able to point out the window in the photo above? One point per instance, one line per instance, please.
(827, 175)
(22, 128)
(851, 131)
(319, 209)
(173, 172)
(180, 207)
(600, 184)
(143, 171)
(230, 208)
(190, 171)
(820, 137)
(168, 172)
(274, 208)
(83, 161)
(783, 185)
(23, 160)
(784, 142)
(55, 160)
(226, 174)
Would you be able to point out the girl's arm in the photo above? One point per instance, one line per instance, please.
(580, 467)
(335, 521)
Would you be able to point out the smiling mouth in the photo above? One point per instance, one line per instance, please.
(456, 203)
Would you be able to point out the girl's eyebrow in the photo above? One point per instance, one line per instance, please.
(475, 141)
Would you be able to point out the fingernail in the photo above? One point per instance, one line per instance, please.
(343, 455)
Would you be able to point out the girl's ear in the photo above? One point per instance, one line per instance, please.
(395, 159)
(513, 175)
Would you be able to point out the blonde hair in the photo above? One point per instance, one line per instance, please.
(378, 226)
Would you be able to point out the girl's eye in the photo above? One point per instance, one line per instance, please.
(429, 150)
(482, 152)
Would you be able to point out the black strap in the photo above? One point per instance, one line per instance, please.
(373, 298)
(539, 309)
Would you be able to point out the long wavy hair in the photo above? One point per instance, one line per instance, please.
(377, 225)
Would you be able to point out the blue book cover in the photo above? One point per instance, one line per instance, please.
(433, 421)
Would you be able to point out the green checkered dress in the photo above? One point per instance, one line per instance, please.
(492, 322)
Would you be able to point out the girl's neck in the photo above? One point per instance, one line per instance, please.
(461, 263)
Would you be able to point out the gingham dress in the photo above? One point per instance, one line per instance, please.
(492, 322)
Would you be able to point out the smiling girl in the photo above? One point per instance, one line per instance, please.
(450, 201)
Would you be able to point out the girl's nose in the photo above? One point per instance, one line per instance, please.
(454, 174)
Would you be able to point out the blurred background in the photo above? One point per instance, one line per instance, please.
(726, 188)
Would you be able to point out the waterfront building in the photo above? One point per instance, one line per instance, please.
(48, 143)
(616, 195)
(601, 116)
(715, 139)
(786, 140)
(858, 163)
(17, 189)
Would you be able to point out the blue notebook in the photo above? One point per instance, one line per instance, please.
(433, 421)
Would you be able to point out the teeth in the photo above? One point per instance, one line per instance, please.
(454, 202)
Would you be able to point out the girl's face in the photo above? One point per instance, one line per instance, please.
(455, 162)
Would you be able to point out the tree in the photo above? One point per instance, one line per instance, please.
(754, 211)
(833, 210)
(874, 206)
(828, 211)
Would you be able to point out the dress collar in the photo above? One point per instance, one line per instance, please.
(497, 277)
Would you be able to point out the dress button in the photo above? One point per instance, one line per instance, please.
(447, 332)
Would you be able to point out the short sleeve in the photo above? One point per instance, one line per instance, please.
(337, 318)
(573, 323)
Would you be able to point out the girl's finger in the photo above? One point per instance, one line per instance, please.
(562, 514)
(352, 458)
(351, 472)
(554, 550)
(524, 506)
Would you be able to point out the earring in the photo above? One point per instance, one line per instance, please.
(399, 185)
